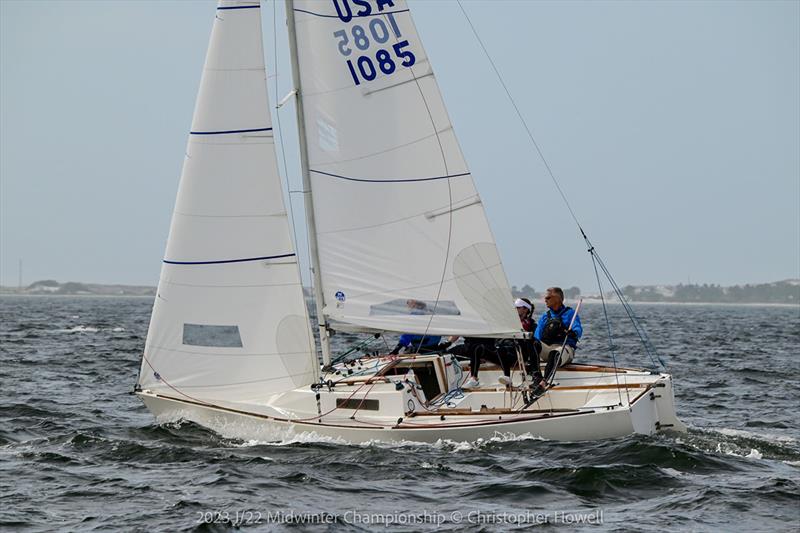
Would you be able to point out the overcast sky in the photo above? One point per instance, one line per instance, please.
(673, 128)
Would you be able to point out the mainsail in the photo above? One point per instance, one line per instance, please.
(229, 322)
(403, 240)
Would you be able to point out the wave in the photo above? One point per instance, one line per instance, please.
(292, 438)
(24, 410)
(742, 444)
(774, 439)
(700, 448)
(81, 328)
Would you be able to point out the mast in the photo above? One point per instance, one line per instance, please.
(308, 199)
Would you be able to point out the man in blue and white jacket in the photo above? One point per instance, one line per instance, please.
(551, 332)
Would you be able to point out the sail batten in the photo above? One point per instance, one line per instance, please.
(227, 132)
(223, 261)
(403, 240)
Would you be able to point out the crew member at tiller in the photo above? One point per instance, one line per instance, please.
(553, 329)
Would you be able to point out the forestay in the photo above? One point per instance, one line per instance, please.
(397, 214)
(229, 321)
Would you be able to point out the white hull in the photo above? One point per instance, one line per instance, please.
(647, 407)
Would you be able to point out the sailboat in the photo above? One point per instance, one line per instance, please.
(393, 216)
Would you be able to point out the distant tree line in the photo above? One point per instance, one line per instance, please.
(784, 292)
(50, 286)
(780, 292)
(529, 292)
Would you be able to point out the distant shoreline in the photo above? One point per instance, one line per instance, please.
(586, 301)
(57, 295)
(785, 293)
(594, 301)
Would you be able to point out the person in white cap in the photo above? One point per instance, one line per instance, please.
(525, 310)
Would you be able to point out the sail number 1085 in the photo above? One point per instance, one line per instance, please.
(366, 67)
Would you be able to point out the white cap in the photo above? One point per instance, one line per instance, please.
(519, 302)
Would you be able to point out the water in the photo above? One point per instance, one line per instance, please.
(79, 453)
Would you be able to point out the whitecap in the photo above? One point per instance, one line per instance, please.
(79, 329)
(754, 454)
(735, 451)
(289, 438)
(454, 445)
(775, 439)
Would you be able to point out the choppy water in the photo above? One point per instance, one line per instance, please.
(78, 453)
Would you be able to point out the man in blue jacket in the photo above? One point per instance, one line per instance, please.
(411, 343)
(551, 332)
(417, 343)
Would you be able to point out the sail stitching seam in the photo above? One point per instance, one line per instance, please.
(271, 215)
(379, 13)
(242, 382)
(410, 217)
(393, 180)
(219, 354)
(388, 150)
(402, 290)
(367, 93)
(233, 286)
